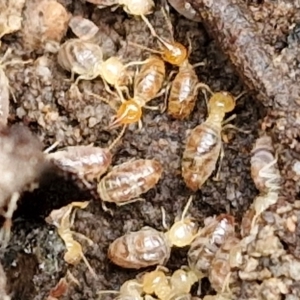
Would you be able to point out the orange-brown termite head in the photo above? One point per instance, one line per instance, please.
(128, 113)
(174, 53)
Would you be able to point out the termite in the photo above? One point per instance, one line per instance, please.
(149, 247)
(126, 182)
(104, 36)
(132, 7)
(87, 162)
(172, 51)
(266, 176)
(169, 287)
(157, 283)
(61, 219)
(204, 144)
(210, 238)
(183, 93)
(86, 60)
(225, 260)
(183, 90)
(264, 169)
(148, 84)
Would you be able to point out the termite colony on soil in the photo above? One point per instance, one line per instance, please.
(215, 250)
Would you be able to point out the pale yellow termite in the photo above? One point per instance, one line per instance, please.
(86, 59)
(158, 283)
(61, 219)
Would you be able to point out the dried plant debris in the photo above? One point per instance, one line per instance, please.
(3, 293)
(22, 162)
(62, 287)
(11, 16)
(45, 24)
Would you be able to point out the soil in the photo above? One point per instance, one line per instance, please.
(33, 260)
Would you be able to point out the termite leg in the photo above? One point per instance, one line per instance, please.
(225, 125)
(225, 287)
(6, 228)
(101, 99)
(163, 218)
(52, 147)
(130, 201)
(140, 126)
(221, 157)
(106, 209)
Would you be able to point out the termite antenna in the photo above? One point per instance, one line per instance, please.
(117, 139)
(187, 206)
(167, 19)
(52, 147)
(89, 93)
(145, 48)
(240, 96)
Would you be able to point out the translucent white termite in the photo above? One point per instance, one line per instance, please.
(266, 176)
(87, 162)
(86, 59)
(61, 219)
(210, 238)
(264, 169)
(103, 36)
(148, 246)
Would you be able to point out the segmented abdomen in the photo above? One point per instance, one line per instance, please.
(264, 168)
(79, 57)
(140, 249)
(129, 180)
(149, 81)
(201, 154)
(182, 98)
(85, 161)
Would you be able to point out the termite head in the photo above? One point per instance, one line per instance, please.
(128, 113)
(153, 279)
(73, 255)
(174, 53)
(184, 231)
(184, 278)
(138, 7)
(222, 100)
